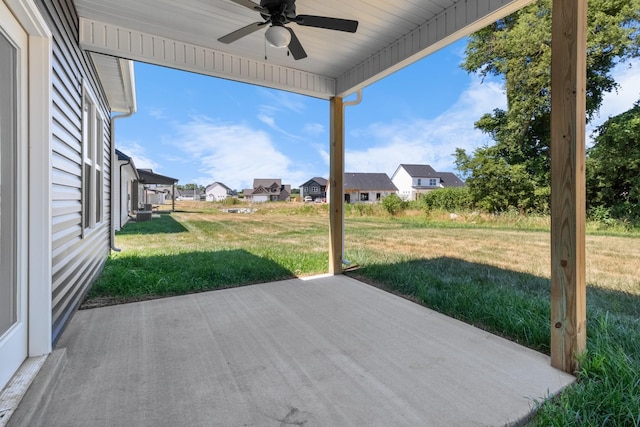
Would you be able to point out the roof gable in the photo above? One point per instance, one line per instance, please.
(317, 180)
(266, 182)
(217, 184)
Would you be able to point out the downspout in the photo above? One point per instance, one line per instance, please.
(344, 105)
(119, 213)
(112, 130)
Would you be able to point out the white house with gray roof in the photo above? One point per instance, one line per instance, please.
(218, 191)
(413, 180)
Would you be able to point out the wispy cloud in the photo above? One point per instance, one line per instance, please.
(426, 141)
(157, 113)
(284, 100)
(628, 77)
(313, 129)
(141, 158)
(234, 154)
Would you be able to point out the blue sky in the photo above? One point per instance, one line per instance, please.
(201, 129)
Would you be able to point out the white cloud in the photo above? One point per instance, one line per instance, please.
(313, 129)
(234, 154)
(427, 141)
(284, 100)
(157, 113)
(627, 75)
(139, 154)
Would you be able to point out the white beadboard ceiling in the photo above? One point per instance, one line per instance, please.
(183, 35)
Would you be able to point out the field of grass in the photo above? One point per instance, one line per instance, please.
(489, 271)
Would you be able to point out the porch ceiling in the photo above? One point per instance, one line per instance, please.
(183, 35)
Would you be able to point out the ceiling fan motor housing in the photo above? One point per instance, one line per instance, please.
(280, 11)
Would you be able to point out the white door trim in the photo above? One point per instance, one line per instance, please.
(13, 340)
(39, 174)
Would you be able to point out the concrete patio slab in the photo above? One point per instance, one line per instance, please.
(330, 351)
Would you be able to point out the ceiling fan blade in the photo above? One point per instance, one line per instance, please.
(251, 5)
(238, 34)
(295, 47)
(329, 23)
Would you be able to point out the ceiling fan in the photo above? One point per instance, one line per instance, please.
(277, 13)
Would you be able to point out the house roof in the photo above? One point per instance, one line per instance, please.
(121, 156)
(184, 35)
(418, 171)
(147, 176)
(449, 179)
(118, 80)
(266, 182)
(124, 158)
(368, 182)
(217, 184)
(321, 181)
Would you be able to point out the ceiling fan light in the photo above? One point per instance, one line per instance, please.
(278, 36)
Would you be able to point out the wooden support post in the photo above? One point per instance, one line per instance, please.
(336, 177)
(173, 197)
(568, 118)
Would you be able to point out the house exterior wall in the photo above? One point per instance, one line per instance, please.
(124, 204)
(409, 188)
(308, 190)
(403, 181)
(78, 253)
(216, 193)
(355, 196)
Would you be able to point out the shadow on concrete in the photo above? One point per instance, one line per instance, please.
(504, 302)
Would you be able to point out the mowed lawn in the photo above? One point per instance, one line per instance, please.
(490, 273)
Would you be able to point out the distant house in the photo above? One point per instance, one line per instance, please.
(366, 187)
(315, 187)
(218, 191)
(125, 183)
(413, 180)
(190, 194)
(268, 190)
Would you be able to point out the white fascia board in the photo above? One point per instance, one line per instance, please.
(129, 84)
(450, 25)
(100, 37)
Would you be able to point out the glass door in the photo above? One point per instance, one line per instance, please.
(13, 315)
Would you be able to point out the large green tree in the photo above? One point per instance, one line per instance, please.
(613, 166)
(518, 49)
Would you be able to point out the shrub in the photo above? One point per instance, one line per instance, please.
(448, 199)
(393, 204)
(230, 201)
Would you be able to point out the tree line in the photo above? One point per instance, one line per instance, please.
(514, 171)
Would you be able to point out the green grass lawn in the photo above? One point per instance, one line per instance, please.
(487, 271)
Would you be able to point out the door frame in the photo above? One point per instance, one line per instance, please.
(14, 204)
(38, 250)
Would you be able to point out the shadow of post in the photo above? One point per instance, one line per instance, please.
(504, 302)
